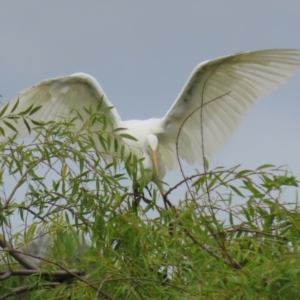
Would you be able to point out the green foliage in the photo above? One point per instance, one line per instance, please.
(232, 236)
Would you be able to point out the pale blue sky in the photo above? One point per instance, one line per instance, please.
(142, 52)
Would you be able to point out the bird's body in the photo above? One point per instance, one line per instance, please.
(140, 130)
(207, 111)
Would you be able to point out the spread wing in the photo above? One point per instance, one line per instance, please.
(216, 97)
(61, 98)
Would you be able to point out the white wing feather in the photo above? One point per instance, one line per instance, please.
(61, 98)
(235, 82)
(209, 108)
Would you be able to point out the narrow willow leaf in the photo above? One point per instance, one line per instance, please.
(37, 123)
(21, 213)
(119, 129)
(242, 173)
(206, 164)
(231, 219)
(35, 109)
(29, 233)
(79, 115)
(2, 131)
(15, 106)
(25, 112)
(102, 142)
(104, 122)
(10, 126)
(27, 125)
(249, 186)
(200, 181)
(81, 164)
(3, 110)
(97, 186)
(109, 108)
(237, 191)
(116, 145)
(75, 188)
(213, 181)
(266, 166)
(108, 142)
(122, 152)
(87, 110)
(67, 217)
(108, 165)
(99, 105)
(127, 136)
(91, 141)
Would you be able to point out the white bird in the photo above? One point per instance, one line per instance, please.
(207, 111)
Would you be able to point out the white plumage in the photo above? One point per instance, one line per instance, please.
(207, 111)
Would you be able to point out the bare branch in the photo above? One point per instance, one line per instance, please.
(58, 275)
(25, 288)
(18, 256)
(6, 274)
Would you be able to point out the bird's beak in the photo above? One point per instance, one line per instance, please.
(153, 154)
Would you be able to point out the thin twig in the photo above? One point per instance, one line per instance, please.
(229, 263)
(33, 213)
(181, 126)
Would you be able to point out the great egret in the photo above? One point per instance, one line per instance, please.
(206, 113)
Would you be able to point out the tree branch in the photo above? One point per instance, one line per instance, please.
(18, 256)
(25, 288)
(59, 275)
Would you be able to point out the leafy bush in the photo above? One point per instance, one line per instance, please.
(72, 227)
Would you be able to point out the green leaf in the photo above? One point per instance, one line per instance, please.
(99, 105)
(213, 181)
(37, 123)
(2, 131)
(116, 144)
(127, 136)
(266, 166)
(200, 180)
(122, 152)
(35, 109)
(242, 173)
(205, 164)
(236, 190)
(88, 110)
(119, 129)
(10, 126)
(25, 112)
(3, 110)
(102, 142)
(27, 125)
(249, 186)
(15, 106)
